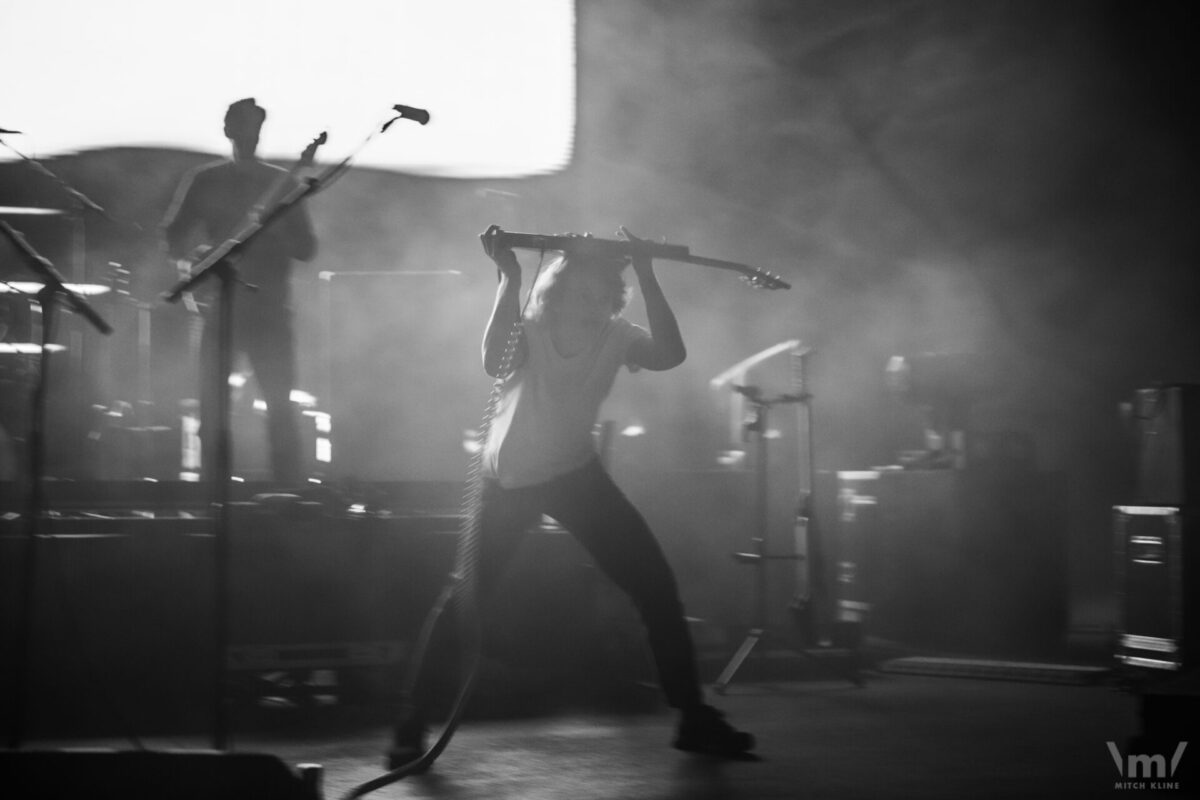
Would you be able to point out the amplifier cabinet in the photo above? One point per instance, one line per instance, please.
(1157, 607)
(856, 526)
(967, 561)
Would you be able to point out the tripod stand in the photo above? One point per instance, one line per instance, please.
(807, 606)
(759, 558)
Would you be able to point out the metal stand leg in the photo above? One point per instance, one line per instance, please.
(758, 559)
(748, 644)
(762, 555)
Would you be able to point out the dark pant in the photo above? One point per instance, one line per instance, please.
(264, 334)
(588, 504)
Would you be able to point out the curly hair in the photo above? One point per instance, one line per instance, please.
(549, 285)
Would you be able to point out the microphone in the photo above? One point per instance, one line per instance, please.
(415, 114)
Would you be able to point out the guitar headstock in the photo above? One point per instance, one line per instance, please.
(757, 278)
(310, 152)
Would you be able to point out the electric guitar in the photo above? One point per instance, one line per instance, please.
(614, 248)
(283, 183)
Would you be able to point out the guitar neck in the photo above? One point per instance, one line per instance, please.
(587, 245)
(615, 249)
(283, 182)
(757, 277)
(702, 261)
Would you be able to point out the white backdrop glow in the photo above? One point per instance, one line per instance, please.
(498, 78)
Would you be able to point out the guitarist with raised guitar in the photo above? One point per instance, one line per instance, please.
(555, 357)
(211, 203)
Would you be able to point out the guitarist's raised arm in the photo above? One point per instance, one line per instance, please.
(664, 349)
(507, 309)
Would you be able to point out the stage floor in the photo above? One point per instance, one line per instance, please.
(897, 736)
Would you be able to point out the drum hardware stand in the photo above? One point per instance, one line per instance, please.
(811, 611)
(52, 291)
(757, 425)
(805, 608)
(807, 605)
(78, 206)
(138, 417)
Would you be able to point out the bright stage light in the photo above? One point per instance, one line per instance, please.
(497, 78)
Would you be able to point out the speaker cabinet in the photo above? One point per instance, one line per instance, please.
(1158, 608)
(957, 560)
(857, 528)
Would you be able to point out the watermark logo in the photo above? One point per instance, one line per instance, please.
(1144, 771)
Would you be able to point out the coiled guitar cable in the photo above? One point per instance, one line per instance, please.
(460, 590)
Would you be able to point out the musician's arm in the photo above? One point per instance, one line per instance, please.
(177, 226)
(302, 240)
(180, 218)
(506, 312)
(664, 348)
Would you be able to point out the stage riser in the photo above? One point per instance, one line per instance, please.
(123, 622)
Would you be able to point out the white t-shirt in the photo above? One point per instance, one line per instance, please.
(549, 405)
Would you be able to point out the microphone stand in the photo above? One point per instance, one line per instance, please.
(80, 200)
(810, 599)
(53, 289)
(80, 205)
(219, 264)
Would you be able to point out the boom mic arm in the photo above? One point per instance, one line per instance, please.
(574, 244)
